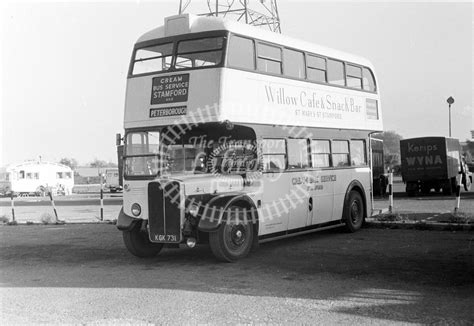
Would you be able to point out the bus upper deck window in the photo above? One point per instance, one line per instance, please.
(336, 72)
(368, 80)
(316, 68)
(354, 76)
(293, 63)
(199, 53)
(153, 58)
(269, 58)
(241, 53)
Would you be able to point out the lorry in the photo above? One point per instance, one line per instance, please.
(433, 163)
(112, 180)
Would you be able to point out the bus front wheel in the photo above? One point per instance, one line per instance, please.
(233, 239)
(138, 244)
(354, 212)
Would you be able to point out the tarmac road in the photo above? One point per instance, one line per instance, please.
(83, 274)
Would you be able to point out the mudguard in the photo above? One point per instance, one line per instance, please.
(212, 214)
(352, 185)
(125, 222)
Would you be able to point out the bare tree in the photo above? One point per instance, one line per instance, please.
(391, 147)
(71, 162)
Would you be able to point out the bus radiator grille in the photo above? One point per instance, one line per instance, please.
(164, 212)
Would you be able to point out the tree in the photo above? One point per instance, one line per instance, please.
(71, 162)
(468, 150)
(96, 163)
(391, 146)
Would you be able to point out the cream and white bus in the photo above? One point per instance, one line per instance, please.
(235, 135)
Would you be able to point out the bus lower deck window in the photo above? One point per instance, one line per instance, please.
(358, 156)
(320, 153)
(274, 154)
(340, 153)
(298, 154)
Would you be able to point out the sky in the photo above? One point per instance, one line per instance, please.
(64, 65)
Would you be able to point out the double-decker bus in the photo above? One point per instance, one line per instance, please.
(235, 135)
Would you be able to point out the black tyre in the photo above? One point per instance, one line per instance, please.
(353, 213)
(233, 239)
(138, 244)
(466, 181)
(425, 189)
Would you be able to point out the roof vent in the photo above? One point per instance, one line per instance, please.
(178, 24)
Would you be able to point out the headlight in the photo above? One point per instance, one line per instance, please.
(136, 209)
(193, 210)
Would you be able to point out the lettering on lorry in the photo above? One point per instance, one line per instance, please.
(412, 148)
(424, 160)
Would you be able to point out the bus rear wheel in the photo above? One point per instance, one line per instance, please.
(137, 243)
(233, 239)
(353, 213)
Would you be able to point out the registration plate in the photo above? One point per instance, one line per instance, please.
(165, 238)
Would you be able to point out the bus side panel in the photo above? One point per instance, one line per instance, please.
(344, 178)
(273, 214)
(252, 97)
(323, 197)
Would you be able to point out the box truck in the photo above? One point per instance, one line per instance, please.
(433, 163)
(112, 180)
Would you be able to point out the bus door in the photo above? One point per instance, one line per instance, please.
(300, 183)
(275, 203)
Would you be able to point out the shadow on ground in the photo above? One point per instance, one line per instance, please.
(394, 274)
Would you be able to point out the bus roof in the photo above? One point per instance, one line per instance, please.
(186, 23)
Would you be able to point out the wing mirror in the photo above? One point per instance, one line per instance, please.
(118, 139)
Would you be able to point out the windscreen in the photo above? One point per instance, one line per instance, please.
(153, 59)
(149, 154)
(199, 53)
(184, 54)
(142, 153)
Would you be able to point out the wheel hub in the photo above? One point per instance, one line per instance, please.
(237, 235)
